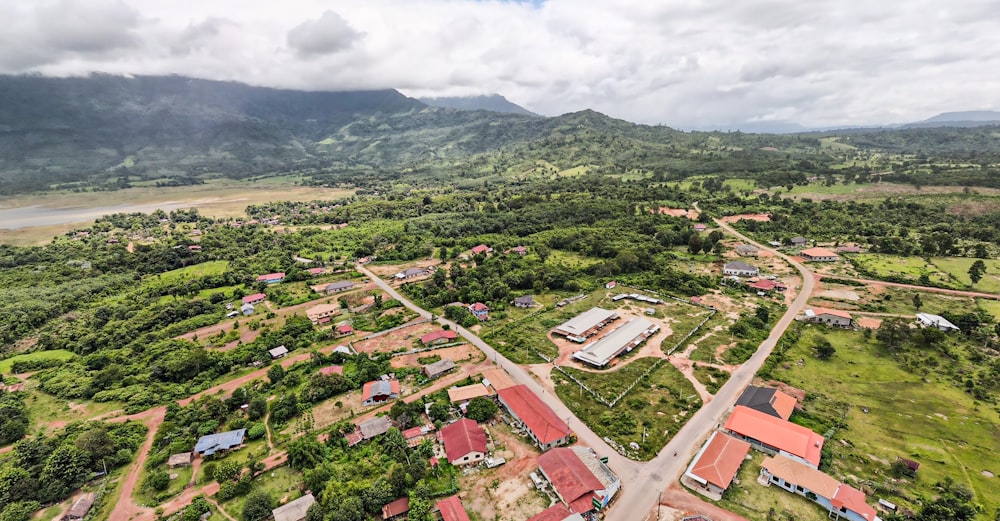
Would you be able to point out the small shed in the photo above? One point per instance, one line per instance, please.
(182, 459)
(439, 368)
(294, 510)
(396, 510)
(278, 352)
(80, 508)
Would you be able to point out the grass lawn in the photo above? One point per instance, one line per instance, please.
(189, 272)
(713, 379)
(991, 306)
(43, 408)
(6, 366)
(958, 267)
(889, 412)
(752, 500)
(281, 483)
(144, 496)
(911, 268)
(900, 300)
(660, 404)
(683, 318)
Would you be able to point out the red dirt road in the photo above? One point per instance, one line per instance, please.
(676, 497)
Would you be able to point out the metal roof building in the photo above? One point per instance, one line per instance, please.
(627, 337)
(294, 510)
(212, 443)
(585, 324)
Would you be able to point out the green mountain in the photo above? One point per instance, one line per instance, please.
(493, 103)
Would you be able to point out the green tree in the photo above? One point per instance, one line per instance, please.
(481, 409)
(97, 443)
(20, 511)
(976, 271)
(762, 313)
(156, 480)
(227, 470)
(305, 453)
(439, 411)
(276, 373)
(258, 506)
(824, 349)
(917, 303)
(695, 243)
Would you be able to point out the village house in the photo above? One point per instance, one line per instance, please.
(80, 509)
(294, 510)
(716, 464)
(343, 330)
(768, 401)
(458, 395)
(611, 284)
(480, 311)
(497, 378)
(740, 269)
(368, 429)
(936, 321)
(700, 227)
(451, 509)
(842, 501)
(411, 273)
(436, 369)
(519, 250)
(246, 309)
(464, 442)
(396, 510)
(182, 459)
(830, 317)
(579, 478)
(543, 425)
(254, 299)
(747, 250)
(316, 271)
(337, 287)
(799, 241)
(766, 286)
(481, 249)
(773, 435)
(557, 512)
(271, 278)
(416, 435)
(322, 313)
(819, 255)
(441, 336)
(277, 352)
(527, 301)
(220, 442)
(379, 391)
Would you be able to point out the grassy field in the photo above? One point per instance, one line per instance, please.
(55, 354)
(895, 266)
(888, 412)
(281, 483)
(659, 405)
(958, 267)
(713, 379)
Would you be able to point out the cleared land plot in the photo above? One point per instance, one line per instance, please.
(958, 267)
(926, 418)
(662, 402)
(504, 493)
(896, 267)
(401, 339)
(6, 366)
(457, 354)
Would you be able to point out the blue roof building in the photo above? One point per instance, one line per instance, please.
(212, 443)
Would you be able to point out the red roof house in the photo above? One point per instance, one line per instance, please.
(438, 337)
(763, 285)
(396, 509)
(819, 254)
(775, 435)
(256, 298)
(854, 500)
(717, 464)
(272, 278)
(482, 248)
(452, 510)
(379, 391)
(464, 442)
(315, 271)
(543, 424)
(480, 310)
(345, 329)
(557, 512)
(572, 480)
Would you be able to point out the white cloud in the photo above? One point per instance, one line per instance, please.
(682, 63)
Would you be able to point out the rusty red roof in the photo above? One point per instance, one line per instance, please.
(571, 477)
(396, 508)
(557, 512)
(538, 417)
(332, 369)
(463, 437)
(256, 297)
(438, 335)
(452, 510)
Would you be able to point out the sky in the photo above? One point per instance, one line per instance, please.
(687, 64)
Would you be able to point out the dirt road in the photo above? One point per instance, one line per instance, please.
(956, 292)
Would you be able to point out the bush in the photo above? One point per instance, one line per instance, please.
(156, 480)
(256, 431)
(21, 511)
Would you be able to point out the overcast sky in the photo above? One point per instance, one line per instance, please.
(688, 64)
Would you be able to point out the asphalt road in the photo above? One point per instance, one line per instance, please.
(642, 483)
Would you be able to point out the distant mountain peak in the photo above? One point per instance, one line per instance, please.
(492, 103)
(965, 115)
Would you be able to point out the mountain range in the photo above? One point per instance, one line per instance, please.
(99, 128)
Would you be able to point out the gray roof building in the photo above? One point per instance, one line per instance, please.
(625, 338)
(343, 285)
(294, 510)
(278, 352)
(212, 443)
(436, 369)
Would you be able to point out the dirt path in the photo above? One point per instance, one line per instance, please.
(125, 507)
(686, 367)
(225, 514)
(267, 428)
(957, 292)
(678, 498)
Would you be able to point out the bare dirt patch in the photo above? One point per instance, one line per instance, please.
(388, 270)
(839, 294)
(404, 339)
(328, 412)
(506, 492)
(457, 354)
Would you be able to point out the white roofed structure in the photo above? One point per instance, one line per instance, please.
(586, 324)
(623, 339)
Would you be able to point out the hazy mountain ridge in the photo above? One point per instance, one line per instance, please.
(492, 103)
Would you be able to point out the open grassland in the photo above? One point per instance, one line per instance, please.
(818, 190)
(887, 412)
(958, 267)
(896, 268)
(659, 405)
(6, 366)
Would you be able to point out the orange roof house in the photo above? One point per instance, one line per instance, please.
(774, 435)
(718, 462)
(819, 254)
(498, 378)
(796, 477)
(768, 401)
(544, 426)
(464, 442)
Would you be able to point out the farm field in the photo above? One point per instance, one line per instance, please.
(884, 412)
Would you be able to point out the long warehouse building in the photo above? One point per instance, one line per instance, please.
(585, 325)
(626, 338)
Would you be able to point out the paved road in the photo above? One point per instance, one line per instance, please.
(643, 482)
